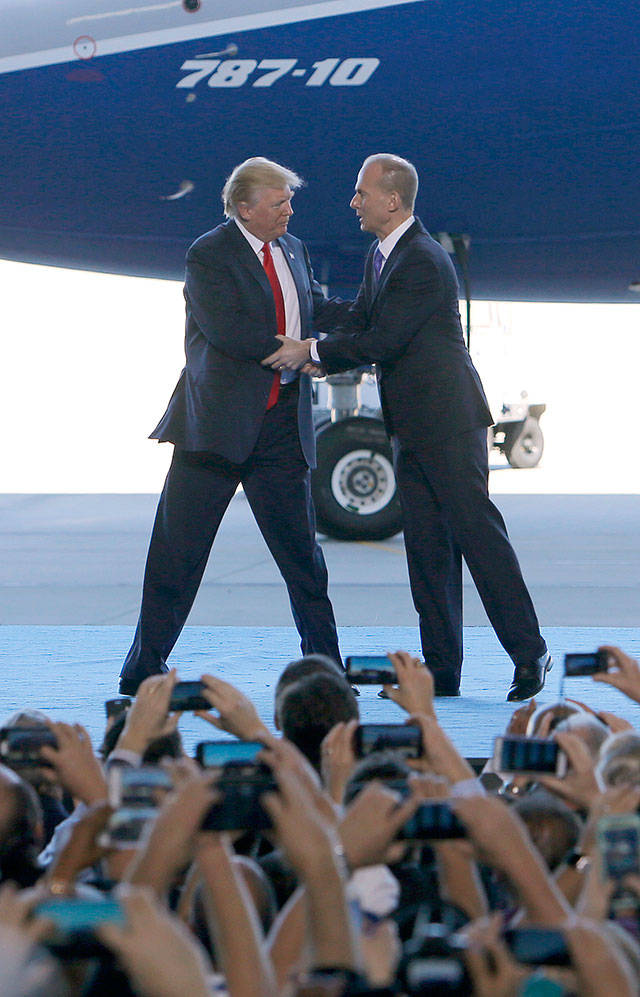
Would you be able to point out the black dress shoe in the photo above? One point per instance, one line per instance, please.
(528, 679)
(129, 687)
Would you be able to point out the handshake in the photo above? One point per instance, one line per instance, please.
(294, 354)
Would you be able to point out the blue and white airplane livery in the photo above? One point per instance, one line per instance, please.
(120, 119)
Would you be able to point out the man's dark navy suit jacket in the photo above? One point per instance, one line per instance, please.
(219, 402)
(409, 325)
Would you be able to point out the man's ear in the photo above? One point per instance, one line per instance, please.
(244, 210)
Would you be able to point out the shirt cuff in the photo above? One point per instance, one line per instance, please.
(313, 350)
(123, 756)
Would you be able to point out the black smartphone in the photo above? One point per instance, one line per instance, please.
(531, 755)
(536, 946)
(239, 807)
(433, 820)
(618, 839)
(114, 707)
(188, 696)
(405, 739)
(370, 669)
(21, 745)
(214, 754)
(585, 664)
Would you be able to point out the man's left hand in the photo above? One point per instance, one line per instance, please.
(292, 355)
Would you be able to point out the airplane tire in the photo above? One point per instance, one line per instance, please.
(524, 444)
(353, 486)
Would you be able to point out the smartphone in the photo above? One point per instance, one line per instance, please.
(239, 808)
(126, 826)
(114, 707)
(586, 664)
(618, 838)
(536, 946)
(215, 754)
(405, 739)
(188, 696)
(433, 820)
(145, 786)
(75, 919)
(531, 755)
(370, 669)
(21, 745)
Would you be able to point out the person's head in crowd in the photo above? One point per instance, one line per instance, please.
(387, 766)
(33, 774)
(21, 829)
(544, 720)
(553, 827)
(167, 746)
(310, 664)
(619, 760)
(591, 731)
(310, 707)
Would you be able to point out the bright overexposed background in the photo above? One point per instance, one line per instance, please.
(89, 362)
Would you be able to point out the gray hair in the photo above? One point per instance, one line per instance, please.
(398, 176)
(251, 177)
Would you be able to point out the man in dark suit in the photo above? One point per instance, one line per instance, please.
(405, 319)
(233, 421)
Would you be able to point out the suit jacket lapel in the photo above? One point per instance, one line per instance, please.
(246, 257)
(392, 259)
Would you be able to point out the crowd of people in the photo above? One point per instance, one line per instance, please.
(314, 870)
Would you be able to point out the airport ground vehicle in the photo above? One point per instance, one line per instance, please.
(354, 488)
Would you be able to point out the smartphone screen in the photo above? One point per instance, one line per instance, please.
(401, 738)
(218, 753)
(370, 669)
(619, 845)
(188, 696)
(529, 754)
(585, 664)
(71, 914)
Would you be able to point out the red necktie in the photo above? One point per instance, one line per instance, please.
(270, 271)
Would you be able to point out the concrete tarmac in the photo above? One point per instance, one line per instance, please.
(79, 560)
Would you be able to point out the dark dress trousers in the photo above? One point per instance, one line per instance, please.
(436, 415)
(223, 434)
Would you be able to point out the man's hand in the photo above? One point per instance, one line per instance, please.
(623, 674)
(148, 718)
(494, 971)
(292, 355)
(160, 956)
(75, 764)
(82, 849)
(338, 758)
(238, 715)
(415, 684)
(371, 824)
(440, 754)
(579, 787)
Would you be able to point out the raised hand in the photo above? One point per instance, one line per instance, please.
(623, 673)
(237, 714)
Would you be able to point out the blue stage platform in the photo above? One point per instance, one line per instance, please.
(69, 671)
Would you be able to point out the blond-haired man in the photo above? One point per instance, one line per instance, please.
(233, 421)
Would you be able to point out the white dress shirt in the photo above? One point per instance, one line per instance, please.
(287, 283)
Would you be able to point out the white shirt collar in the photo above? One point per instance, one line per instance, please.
(388, 245)
(255, 243)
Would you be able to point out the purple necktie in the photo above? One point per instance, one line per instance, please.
(378, 261)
